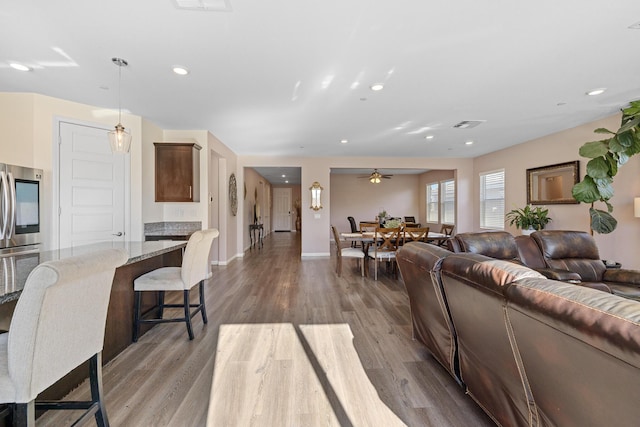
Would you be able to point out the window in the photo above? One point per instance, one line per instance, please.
(448, 201)
(432, 203)
(492, 200)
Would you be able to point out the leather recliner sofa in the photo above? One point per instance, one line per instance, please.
(577, 252)
(569, 256)
(529, 350)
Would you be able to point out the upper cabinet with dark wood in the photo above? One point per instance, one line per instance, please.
(177, 172)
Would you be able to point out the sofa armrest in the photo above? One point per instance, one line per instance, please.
(558, 274)
(621, 275)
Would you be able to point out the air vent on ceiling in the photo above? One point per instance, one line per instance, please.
(205, 5)
(468, 124)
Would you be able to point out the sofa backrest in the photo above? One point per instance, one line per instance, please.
(474, 286)
(529, 252)
(494, 244)
(571, 250)
(580, 349)
(419, 265)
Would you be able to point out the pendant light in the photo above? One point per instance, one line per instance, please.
(119, 139)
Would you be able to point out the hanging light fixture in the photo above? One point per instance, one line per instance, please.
(119, 139)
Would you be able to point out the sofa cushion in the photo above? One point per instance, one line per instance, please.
(480, 270)
(571, 250)
(494, 244)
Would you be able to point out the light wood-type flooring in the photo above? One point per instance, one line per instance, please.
(166, 380)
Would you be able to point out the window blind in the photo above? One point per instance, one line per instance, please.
(492, 200)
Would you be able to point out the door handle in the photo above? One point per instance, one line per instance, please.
(119, 233)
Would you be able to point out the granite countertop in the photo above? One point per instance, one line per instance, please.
(15, 269)
(175, 228)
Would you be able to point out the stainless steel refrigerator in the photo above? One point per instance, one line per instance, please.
(20, 209)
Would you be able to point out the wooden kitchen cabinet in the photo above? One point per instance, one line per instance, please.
(177, 171)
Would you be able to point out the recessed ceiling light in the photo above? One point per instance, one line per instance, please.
(598, 91)
(286, 182)
(284, 176)
(344, 141)
(429, 137)
(469, 143)
(181, 71)
(19, 67)
(376, 86)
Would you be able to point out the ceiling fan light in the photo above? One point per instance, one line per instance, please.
(119, 139)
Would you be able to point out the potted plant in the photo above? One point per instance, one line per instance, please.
(528, 219)
(607, 156)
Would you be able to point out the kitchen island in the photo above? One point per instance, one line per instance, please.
(143, 257)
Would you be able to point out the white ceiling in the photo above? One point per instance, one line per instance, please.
(292, 77)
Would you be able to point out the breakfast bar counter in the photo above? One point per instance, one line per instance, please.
(143, 257)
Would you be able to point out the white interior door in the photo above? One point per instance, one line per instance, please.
(92, 187)
(282, 209)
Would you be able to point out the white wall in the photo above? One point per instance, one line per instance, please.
(29, 136)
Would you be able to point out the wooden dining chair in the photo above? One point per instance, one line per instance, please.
(384, 247)
(354, 229)
(415, 234)
(447, 229)
(341, 251)
(368, 227)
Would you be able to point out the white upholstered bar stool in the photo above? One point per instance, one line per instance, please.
(58, 324)
(194, 271)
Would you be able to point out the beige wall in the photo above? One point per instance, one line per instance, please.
(315, 225)
(429, 178)
(30, 128)
(623, 244)
(357, 197)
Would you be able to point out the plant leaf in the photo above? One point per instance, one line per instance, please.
(602, 222)
(635, 121)
(586, 191)
(598, 168)
(594, 149)
(604, 130)
(615, 146)
(613, 164)
(609, 206)
(622, 158)
(625, 138)
(604, 188)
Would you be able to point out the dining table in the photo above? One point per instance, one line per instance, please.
(367, 236)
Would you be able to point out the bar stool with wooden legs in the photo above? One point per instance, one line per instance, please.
(58, 324)
(195, 270)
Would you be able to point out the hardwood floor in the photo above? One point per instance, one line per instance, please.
(165, 379)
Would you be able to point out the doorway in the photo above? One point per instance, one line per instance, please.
(93, 182)
(282, 209)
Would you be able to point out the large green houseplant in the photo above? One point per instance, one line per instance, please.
(607, 155)
(528, 218)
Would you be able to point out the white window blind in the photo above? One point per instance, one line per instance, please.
(448, 201)
(492, 200)
(432, 202)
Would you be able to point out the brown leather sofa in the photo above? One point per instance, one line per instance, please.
(569, 256)
(577, 252)
(531, 351)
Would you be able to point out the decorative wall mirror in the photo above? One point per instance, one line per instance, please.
(316, 192)
(551, 185)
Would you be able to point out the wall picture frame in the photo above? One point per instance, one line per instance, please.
(552, 184)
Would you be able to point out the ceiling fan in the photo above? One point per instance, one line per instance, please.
(376, 176)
